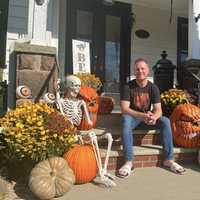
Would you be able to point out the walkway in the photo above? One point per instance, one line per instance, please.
(145, 184)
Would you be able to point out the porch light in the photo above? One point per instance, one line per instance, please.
(39, 2)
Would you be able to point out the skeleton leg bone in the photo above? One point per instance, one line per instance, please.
(105, 178)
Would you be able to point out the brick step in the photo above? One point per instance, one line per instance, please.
(149, 156)
(140, 136)
(147, 148)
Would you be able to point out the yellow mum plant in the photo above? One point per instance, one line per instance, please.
(90, 80)
(173, 97)
(36, 131)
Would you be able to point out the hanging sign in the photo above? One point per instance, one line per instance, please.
(81, 56)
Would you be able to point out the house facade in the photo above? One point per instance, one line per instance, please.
(118, 32)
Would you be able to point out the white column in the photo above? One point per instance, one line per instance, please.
(38, 24)
(194, 30)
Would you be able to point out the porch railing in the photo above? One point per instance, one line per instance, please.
(3, 97)
(191, 81)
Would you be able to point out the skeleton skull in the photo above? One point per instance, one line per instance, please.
(73, 84)
(185, 121)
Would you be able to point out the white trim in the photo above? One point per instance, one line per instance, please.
(31, 9)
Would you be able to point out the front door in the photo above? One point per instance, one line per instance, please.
(107, 27)
(182, 47)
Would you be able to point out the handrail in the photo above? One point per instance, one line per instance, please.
(194, 75)
(198, 83)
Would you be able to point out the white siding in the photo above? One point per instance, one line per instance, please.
(17, 25)
(18, 16)
(163, 35)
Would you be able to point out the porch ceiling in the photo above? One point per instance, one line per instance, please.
(178, 5)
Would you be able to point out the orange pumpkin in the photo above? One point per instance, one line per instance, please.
(82, 161)
(90, 96)
(185, 121)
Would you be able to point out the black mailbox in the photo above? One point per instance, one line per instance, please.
(164, 73)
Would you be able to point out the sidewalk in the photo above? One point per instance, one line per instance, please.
(144, 184)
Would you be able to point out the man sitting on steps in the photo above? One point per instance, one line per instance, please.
(137, 98)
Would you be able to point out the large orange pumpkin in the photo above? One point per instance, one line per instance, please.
(82, 161)
(90, 96)
(185, 121)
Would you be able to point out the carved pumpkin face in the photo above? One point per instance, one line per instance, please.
(185, 121)
(90, 96)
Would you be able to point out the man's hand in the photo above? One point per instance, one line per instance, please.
(150, 118)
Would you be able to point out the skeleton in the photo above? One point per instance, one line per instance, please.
(74, 108)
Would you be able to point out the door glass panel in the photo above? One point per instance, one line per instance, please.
(184, 43)
(84, 28)
(84, 24)
(112, 54)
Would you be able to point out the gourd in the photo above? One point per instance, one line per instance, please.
(185, 122)
(90, 96)
(51, 178)
(82, 160)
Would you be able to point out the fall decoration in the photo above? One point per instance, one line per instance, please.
(171, 98)
(185, 121)
(51, 178)
(81, 159)
(89, 80)
(90, 96)
(35, 131)
(106, 104)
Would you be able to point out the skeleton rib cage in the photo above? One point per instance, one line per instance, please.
(72, 109)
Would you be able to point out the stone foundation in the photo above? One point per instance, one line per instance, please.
(30, 65)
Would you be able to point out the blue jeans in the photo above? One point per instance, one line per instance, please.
(129, 123)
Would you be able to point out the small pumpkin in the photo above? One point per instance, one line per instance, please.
(90, 96)
(81, 158)
(51, 178)
(185, 122)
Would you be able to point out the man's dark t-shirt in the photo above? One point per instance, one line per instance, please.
(141, 98)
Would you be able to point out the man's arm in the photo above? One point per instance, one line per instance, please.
(125, 108)
(157, 110)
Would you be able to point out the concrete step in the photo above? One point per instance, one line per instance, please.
(149, 156)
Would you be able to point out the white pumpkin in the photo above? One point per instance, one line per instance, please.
(51, 178)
